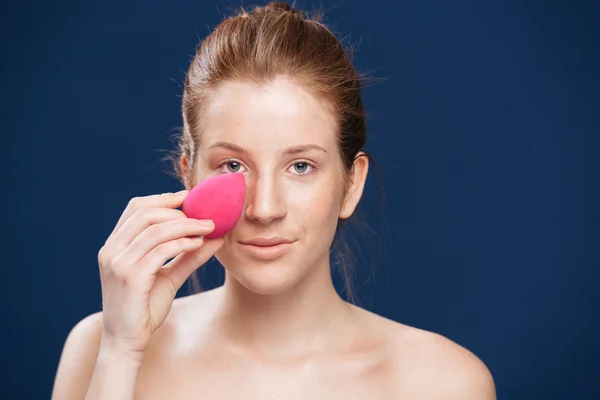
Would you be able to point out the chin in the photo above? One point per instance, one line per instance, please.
(272, 282)
(260, 276)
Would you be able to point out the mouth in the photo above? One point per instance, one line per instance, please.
(266, 248)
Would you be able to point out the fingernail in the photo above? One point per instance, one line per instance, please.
(182, 191)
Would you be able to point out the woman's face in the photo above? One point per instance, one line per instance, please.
(284, 141)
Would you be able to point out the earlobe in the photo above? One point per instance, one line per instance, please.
(356, 184)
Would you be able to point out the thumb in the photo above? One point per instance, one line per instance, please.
(184, 265)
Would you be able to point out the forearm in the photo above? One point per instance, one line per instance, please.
(114, 376)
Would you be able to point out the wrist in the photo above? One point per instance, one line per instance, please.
(110, 351)
(115, 373)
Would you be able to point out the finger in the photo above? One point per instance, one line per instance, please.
(158, 241)
(167, 200)
(142, 219)
(152, 262)
(179, 269)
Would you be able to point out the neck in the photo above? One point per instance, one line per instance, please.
(308, 316)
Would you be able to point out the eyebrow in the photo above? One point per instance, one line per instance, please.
(290, 150)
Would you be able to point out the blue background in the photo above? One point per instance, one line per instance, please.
(485, 131)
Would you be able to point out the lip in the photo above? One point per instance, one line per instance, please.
(266, 241)
(266, 248)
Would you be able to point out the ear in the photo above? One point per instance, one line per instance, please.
(185, 169)
(356, 184)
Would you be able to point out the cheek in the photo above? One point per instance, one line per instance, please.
(314, 203)
(201, 171)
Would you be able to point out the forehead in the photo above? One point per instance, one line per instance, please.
(267, 116)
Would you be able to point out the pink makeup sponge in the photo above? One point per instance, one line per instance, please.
(220, 199)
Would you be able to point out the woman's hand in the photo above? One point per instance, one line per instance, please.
(138, 289)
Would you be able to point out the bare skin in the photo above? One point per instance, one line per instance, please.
(276, 329)
(379, 359)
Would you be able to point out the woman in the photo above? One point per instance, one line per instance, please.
(270, 94)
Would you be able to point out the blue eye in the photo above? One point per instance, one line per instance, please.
(233, 166)
(229, 166)
(301, 167)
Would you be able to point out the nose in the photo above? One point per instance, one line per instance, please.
(264, 200)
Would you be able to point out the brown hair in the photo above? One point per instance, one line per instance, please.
(276, 41)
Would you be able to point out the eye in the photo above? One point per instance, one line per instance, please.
(301, 168)
(232, 166)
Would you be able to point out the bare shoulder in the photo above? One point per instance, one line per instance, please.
(78, 358)
(443, 368)
(82, 345)
(428, 365)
